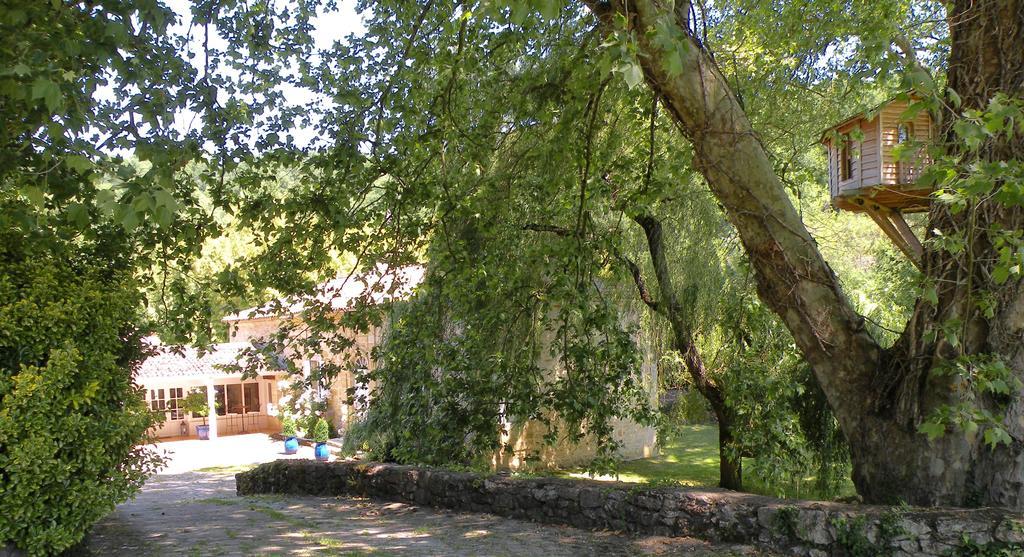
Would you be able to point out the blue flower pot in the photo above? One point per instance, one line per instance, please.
(203, 431)
(321, 452)
(291, 445)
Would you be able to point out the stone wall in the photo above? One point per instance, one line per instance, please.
(799, 527)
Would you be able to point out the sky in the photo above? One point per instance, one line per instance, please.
(330, 26)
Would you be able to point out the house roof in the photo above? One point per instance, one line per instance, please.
(187, 363)
(342, 293)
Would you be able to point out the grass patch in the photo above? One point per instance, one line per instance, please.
(232, 469)
(330, 543)
(691, 460)
(218, 501)
(272, 513)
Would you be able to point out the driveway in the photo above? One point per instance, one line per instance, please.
(232, 451)
(192, 509)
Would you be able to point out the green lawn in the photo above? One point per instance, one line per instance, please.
(691, 459)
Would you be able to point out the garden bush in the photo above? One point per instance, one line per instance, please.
(288, 427)
(320, 431)
(71, 417)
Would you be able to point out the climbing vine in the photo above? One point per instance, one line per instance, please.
(968, 181)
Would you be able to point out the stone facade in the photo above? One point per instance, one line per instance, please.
(528, 449)
(803, 528)
(339, 412)
(525, 441)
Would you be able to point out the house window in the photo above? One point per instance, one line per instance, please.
(157, 400)
(847, 161)
(174, 397)
(252, 397)
(234, 403)
(218, 395)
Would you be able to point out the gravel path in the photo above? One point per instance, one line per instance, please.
(196, 513)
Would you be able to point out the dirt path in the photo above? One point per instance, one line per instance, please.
(196, 513)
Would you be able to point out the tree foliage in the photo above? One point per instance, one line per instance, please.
(527, 150)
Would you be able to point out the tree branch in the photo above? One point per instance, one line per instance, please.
(556, 230)
(641, 286)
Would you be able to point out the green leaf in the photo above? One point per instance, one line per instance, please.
(931, 295)
(970, 428)
(78, 163)
(933, 430)
(912, 111)
(47, 90)
(998, 386)
(164, 217)
(1000, 274)
(79, 215)
(995, 436)
(549, 9)
(163, 198)
(633, 75)
(35, 195)
(954, 98)
(673, 63)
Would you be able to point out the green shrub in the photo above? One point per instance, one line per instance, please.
(72, 420)
(197, 404)
(288, 426)
(320, 431)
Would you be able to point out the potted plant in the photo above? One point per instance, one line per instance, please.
(291, 444)
(197, 405)
(320, 435)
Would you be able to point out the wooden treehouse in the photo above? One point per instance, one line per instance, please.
(865, 176)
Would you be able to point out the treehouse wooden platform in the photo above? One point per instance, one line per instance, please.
(866, 175)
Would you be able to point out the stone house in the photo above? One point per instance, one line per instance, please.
(252, 325)
(525, 440)
(242, 405)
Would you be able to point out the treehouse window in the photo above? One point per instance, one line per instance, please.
(904, 133)
(846, 161)
(904, 168)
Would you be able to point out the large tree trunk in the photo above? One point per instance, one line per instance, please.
(892, 460)
(879, 397)
(730, 463)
